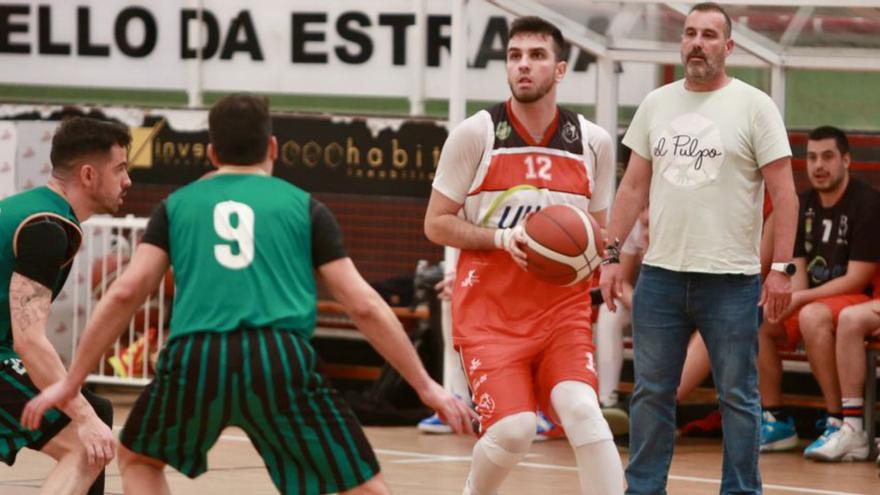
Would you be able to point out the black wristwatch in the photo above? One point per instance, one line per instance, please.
(612, 252)
(788, 268)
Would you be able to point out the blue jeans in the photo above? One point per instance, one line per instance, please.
(667, 307)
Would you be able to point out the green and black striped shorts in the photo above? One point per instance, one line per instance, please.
(16, 389)
(265, 382)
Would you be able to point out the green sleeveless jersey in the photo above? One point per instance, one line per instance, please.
(240, 247)
(14, 212)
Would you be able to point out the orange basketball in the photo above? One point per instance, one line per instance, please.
(563, 244)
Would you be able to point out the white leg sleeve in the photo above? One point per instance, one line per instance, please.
(503, 445)
(609, 349)
(599, 467)
(454, 379)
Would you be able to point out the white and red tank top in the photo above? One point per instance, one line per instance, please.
(517, 175)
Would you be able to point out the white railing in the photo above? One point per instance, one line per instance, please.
(108, 244)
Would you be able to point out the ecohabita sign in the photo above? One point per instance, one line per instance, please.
(386, 157)
(340, 47)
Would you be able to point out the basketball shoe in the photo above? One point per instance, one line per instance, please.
(547, 430)
(707, 426)
(831, 426)
(777, 435)
(841, 445)
(617, 419)
(433, 424)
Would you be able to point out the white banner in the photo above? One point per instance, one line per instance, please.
(8, 141)
(32, 165)
(340, 47)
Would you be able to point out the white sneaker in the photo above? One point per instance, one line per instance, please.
(844, 445)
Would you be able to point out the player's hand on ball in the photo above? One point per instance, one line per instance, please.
(98, 440)
(512, 240)
(56, 395)
(452, 410)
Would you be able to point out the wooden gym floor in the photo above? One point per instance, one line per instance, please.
(415, 463)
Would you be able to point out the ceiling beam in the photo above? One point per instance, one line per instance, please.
(828, 58)
(796, 25)
(873, 14)
(624, 21)
(751, 41)
(574, 32)
(673, 57)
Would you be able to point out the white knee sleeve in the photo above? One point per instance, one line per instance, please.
(577, 406)
(508, 440)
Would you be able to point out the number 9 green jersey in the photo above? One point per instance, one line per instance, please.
(242, 252)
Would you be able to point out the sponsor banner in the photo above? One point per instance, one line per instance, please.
(325, 155)
(343, 47)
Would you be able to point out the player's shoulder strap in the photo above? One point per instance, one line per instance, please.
(571, 132)
(504, 134)
(72, 230)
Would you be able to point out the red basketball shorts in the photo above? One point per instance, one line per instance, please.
(834, 303)
(509, 375)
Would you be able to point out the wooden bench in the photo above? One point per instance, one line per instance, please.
(872, 352)
(792, 361)
(334, 323)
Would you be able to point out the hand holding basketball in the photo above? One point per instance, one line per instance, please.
(563, 245)
(512, 241)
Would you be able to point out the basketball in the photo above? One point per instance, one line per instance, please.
(563, 244)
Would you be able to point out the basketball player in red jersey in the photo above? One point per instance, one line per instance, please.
(524, 344)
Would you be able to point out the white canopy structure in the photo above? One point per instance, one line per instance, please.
(778, 35)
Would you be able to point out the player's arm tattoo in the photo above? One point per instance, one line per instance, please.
(29, 302)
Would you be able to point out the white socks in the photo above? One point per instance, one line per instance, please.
(853, 412)
(608, 334)
(503, 445)
(599, 467)
(506, 442)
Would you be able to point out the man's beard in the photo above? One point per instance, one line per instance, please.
(832, 185)
(110, 205)
(707, 72)
(533, 95)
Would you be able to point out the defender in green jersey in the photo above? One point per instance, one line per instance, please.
(245, 248)
(39, 236)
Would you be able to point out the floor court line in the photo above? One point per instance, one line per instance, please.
(422, 457)
(426, 461)
(537, 465)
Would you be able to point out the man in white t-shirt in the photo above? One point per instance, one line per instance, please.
(703, 148)
(523, 352)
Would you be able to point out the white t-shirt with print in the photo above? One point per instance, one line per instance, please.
(636, 242)
(706, 197)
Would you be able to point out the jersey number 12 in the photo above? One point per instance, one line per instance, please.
(541, 170)
(241, 234)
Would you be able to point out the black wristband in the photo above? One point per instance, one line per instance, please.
(612, 253)
(610, 260)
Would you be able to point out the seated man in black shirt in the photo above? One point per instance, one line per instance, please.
(836, 252)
